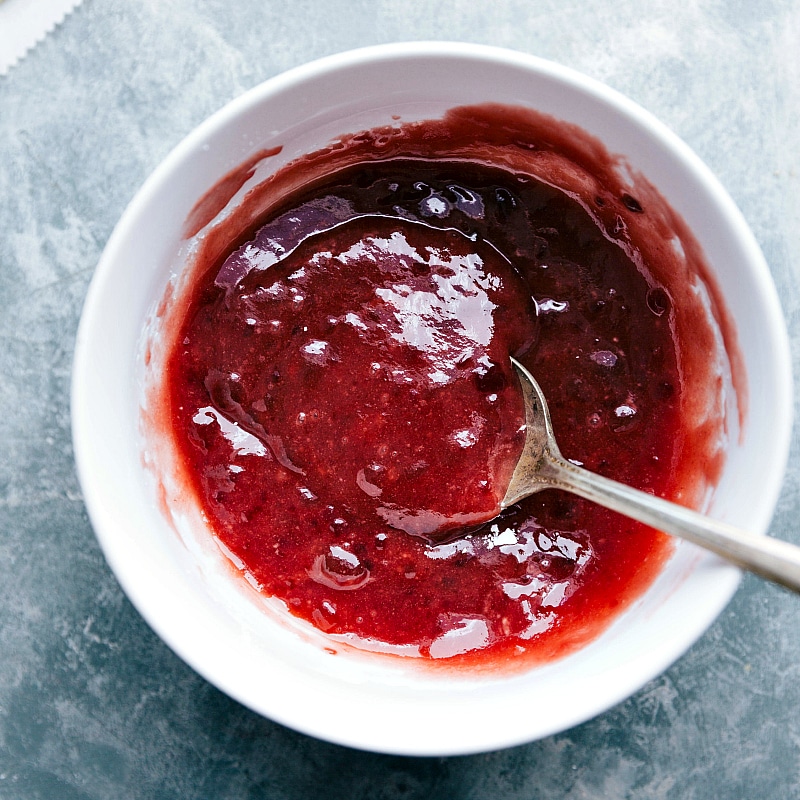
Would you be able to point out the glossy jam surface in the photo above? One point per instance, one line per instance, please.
(344, 407)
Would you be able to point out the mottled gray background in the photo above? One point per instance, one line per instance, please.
(92, 704)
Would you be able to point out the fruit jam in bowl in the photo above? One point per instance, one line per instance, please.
(295, 415)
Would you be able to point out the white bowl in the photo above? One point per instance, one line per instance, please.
(160, 554)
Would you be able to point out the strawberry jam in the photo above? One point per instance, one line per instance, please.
(345, 409)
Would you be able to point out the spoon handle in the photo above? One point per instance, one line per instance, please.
(772, 559)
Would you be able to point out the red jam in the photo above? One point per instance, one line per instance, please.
(344, 406)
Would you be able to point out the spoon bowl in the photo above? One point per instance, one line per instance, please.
(159, 547)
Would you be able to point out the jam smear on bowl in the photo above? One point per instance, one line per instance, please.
(344, 407)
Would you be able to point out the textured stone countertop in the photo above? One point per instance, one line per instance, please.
(92, 703)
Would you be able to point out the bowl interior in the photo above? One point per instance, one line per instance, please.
(183, 586)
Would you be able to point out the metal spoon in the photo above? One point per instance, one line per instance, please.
(541, 466)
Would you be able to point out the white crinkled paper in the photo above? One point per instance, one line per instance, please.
(24, 23)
